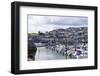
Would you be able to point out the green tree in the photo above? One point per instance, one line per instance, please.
(32, 51)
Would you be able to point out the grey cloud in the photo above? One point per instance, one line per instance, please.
(42, 23)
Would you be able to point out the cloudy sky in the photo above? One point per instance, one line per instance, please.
(47, 23)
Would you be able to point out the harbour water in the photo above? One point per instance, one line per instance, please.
(46, 54)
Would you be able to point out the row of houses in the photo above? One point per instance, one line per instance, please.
(67, 37)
